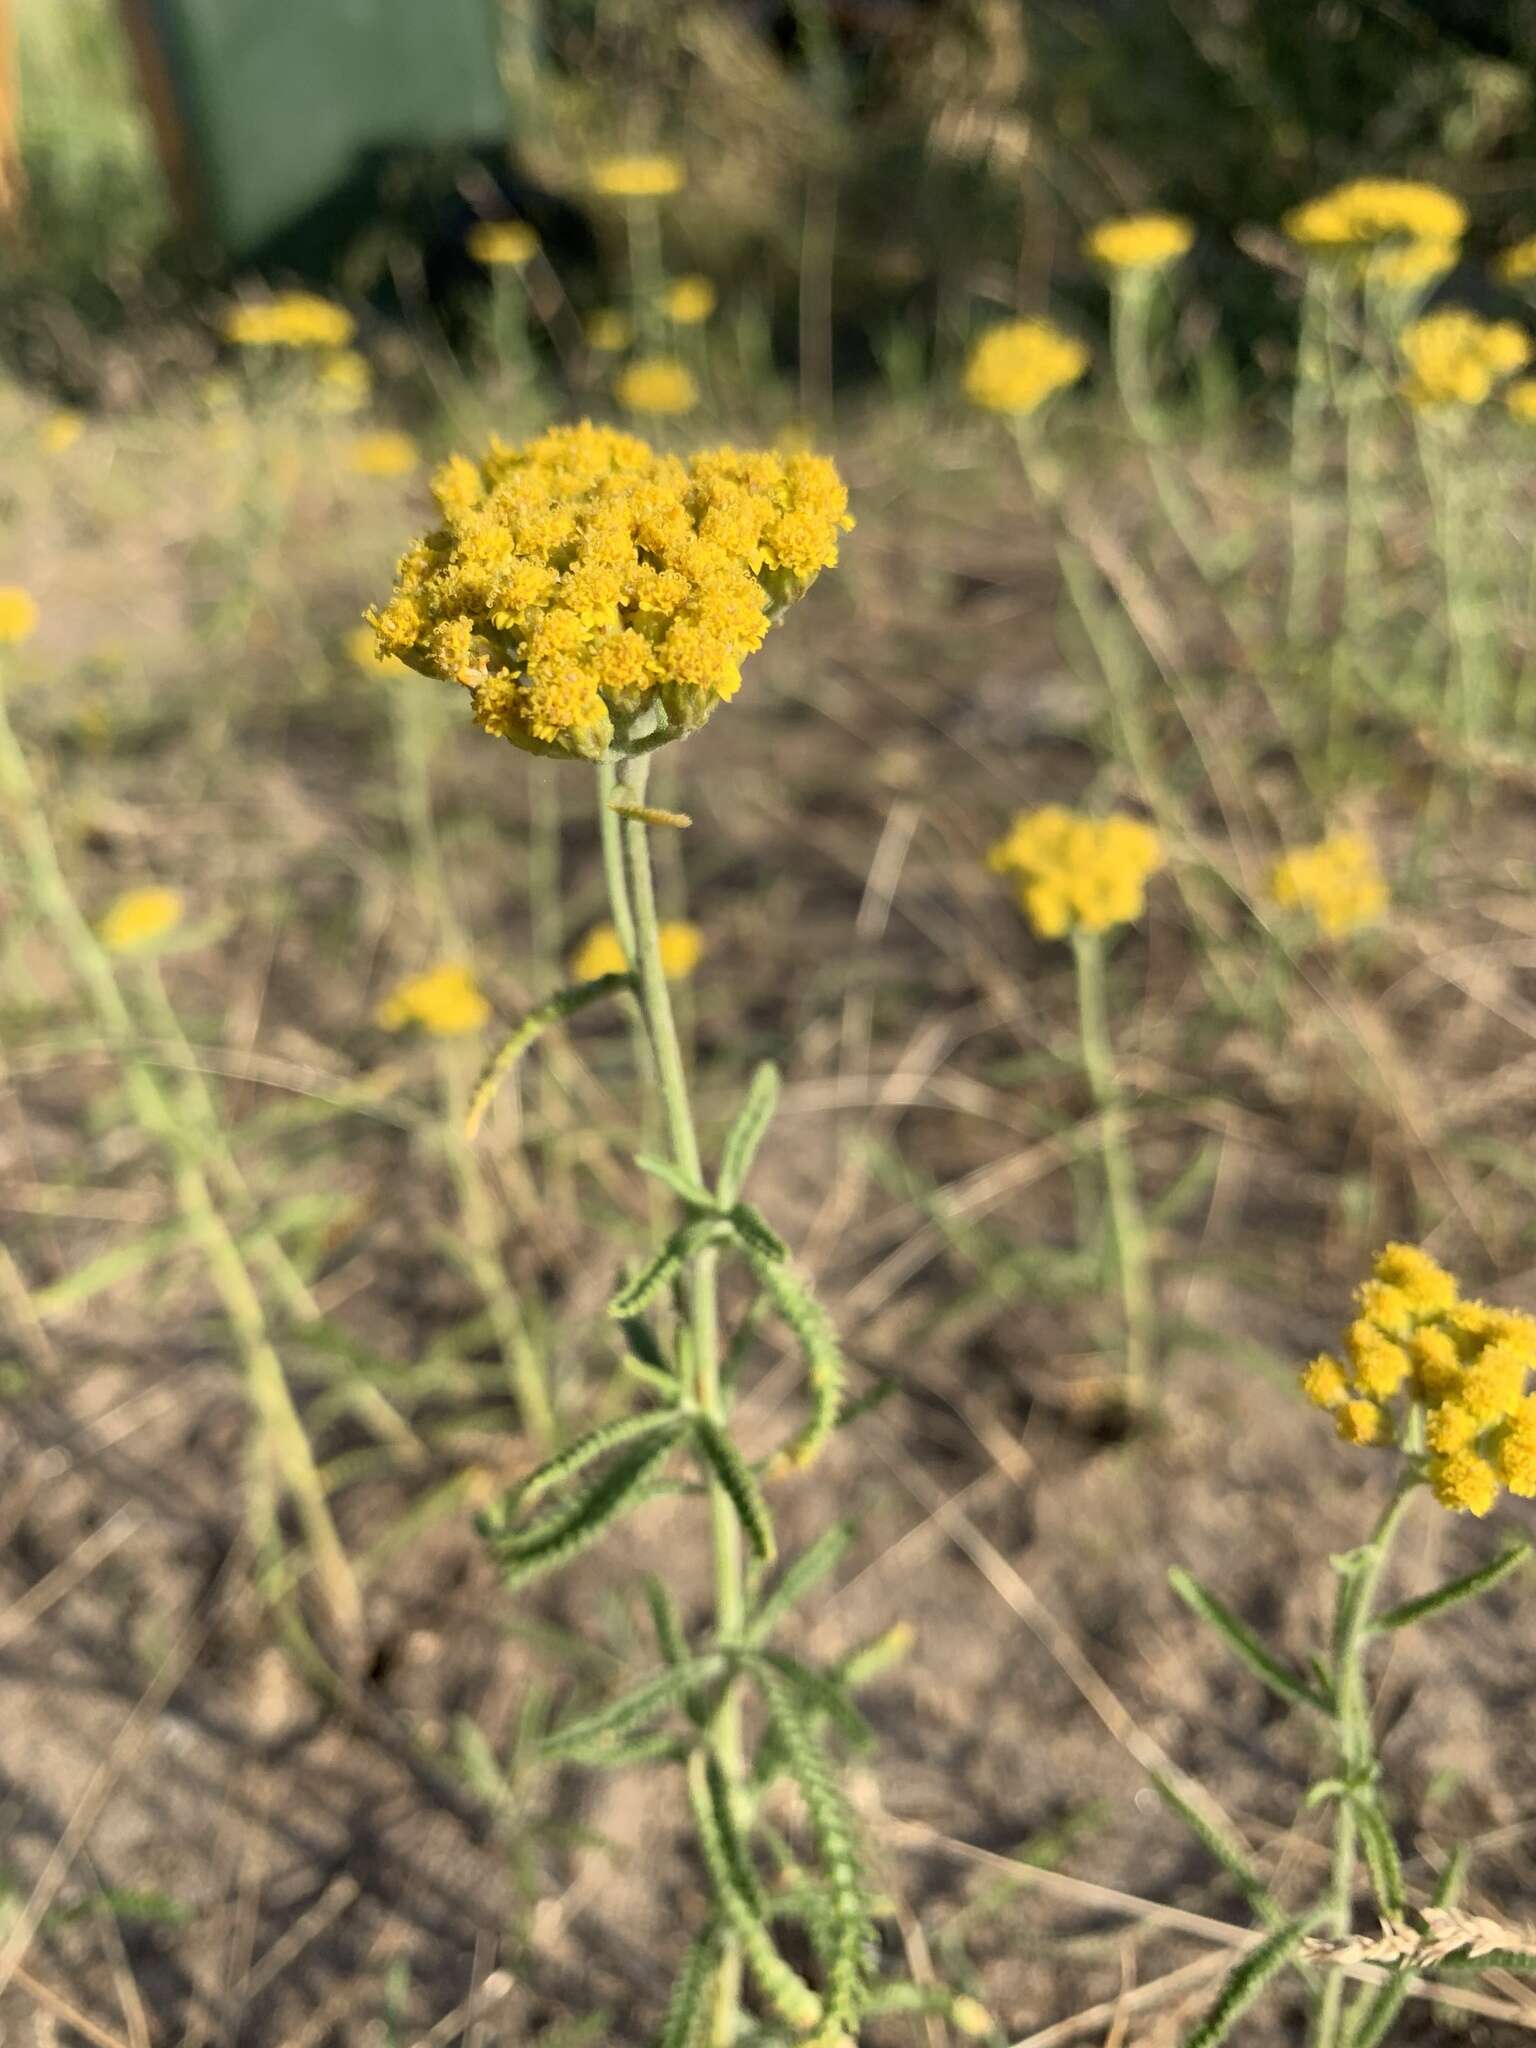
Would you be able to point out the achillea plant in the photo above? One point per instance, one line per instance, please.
(1437, 1386)
(597, 600)
(1336, 883)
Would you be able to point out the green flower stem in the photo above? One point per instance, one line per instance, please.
(702, 1358)
(281, 1437)
(1309, 407)
(1119, 1170)
(642, 229)
(1359, 1577)
(1459, 531)
(1132, 297)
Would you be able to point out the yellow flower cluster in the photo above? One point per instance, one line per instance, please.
(681, 946)
(18, 614)
(502, 243)
(598, 598)
(1517, 264)
(1075, 873)
(387, 453)
(1456, 358)
(1376, 210)
(1418, 1354)
(689, 301)
(361, 646)
(139, 917)
(659, 385)
(1017, 366)
(290, 320)
(445, 1001)
(1337, 881)
(1520, 397)
(1141, 241)
(637, 177)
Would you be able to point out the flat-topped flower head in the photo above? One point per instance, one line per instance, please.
(1444, 1380)
(1517, 263)
(1141, 241)
(689, 301)
(18, 614)
(597, 598)
(387, 453)
(139, 917)
(1456, 358)
(681, 945)
(1366, 210)
(1336, 882)
(445, 1001)
(502, 244)
(289, 320)
(1015, 367)
(659, 385)
(638, 176)
(1075, 873)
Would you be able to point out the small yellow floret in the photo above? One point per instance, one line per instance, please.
(362, 649)
(343, 381)
(1367, 210)
(1464, 1482)
(1076, 873)
(970, 2017)
(502, 243)
(445, 1001)
(659, 385)
(1451, 1428)
(388, 453)
(1336, 881)
(1425, 1285)
(1456, 358)
(1492, 1385)
(289, 320)
(1516, 1455)
(638, 176)
(1520, 397)
(681, 946)
(1388, 1307)
(1436, 1364)
(18, 614)
(1363, 1422)
(1380, 1365)
(60, 431)
(1141, 241)
(139, 917)
(1324, 1382)
(1015, 367)
(608, 330)
(689, 301)
(1517, 264)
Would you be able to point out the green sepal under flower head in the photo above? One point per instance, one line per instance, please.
(596, 598)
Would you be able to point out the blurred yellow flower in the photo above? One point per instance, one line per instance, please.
(289, 320)
(1376, 210)
(344, 380)
(1399, 266)
(18, 614)
(362, 649)
(608, 330)
(445, 1001)
(1075, 873)
(1336, 881)
(1516, 264)
(387, 453)
(1015, 367)
(60, 431)
(139, 917)
(682, 948)
(1141, 241)
(1456, 358)
(690, 301)
(638, 176)
(502, 243)
(598, 599)
(659, 385)
(1520, 397)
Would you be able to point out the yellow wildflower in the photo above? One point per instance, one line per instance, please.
(637, 176)
(1515, 1459)
(1456, 358)
(689, 301)
(18, 614)
(1363, 1422)
(1015, 367)
(1464, 1482)
(289, 320)
(1369, 210)
(608, 330)
(1517, 264)
(446, 1001)
(139, 917)
(656, 384)
(343, 380)
(681, 946)
(1337, 881)
(1380, 1365)
(597, 598)
(970, 2017)
(60, 431)
(1076, 873)
(1141, 241)
(1451, 1428)
(1400, 266)
(362, 649)
(502, 243)
(1436, 1364)
(388, 453)
(1423, 1282)
(1520, 397)
(1324, 1382)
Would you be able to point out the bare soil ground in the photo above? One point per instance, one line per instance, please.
(342, 1866)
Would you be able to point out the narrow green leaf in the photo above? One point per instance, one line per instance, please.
(663, 1383)
(748, 1129)
(818, 1346)
(757, 1233)
(607, 1436)
(667, 1621)
(1520, 1960)
(823, 1693)
(798, 1578)
(782, 1987)
(1381, 1858)
(639, 1704)
(1454, 1591)
(1248, 1980)
(692, 1193)
(537, 1021)
(646, 1345)
(666, 1264)
(688, 2009)
(565, 1535)
(1244, 1644)
(739, 1482)
(1226, 1849)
